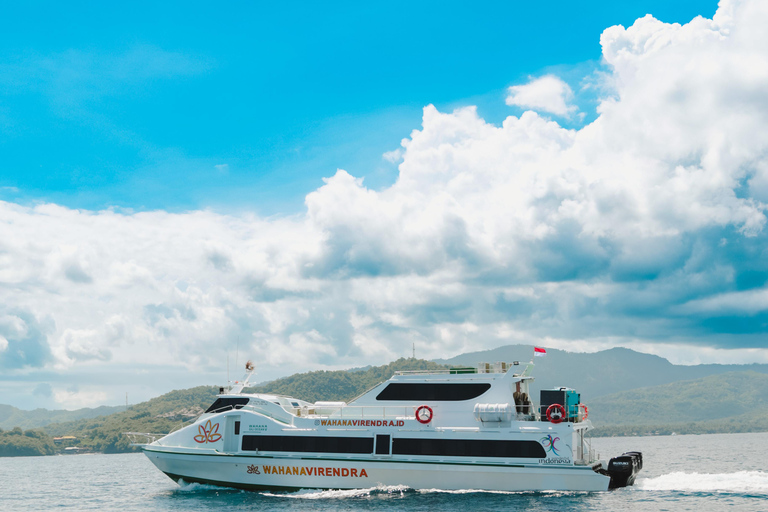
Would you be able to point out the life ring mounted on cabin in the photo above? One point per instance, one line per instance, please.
(424, 414)
(586, 411)
(555, 413)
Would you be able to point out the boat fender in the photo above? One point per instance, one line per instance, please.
(555, 413)
(424, 414)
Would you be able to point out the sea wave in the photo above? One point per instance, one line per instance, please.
(751, 482)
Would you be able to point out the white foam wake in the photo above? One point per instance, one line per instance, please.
(195, 487)
(482, 491)
(740, 482)
(463, 491)
(314, 494)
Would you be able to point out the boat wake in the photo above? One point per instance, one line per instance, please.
(750, 482)
(315, 494)
(195, 487)
(396, 491)
(481, 491)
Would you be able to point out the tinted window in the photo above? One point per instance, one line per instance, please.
(308, 444)
(468, 448)
(382, 444)
(433, 392)
(227, 404)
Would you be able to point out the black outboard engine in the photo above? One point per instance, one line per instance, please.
(624, 469)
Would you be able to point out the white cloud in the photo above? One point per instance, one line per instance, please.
(644, 229)
(76, 399)
(545, 94)
(393, 156)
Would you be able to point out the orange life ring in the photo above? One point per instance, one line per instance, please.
(555, 413)
(424, 414)
(586, 411)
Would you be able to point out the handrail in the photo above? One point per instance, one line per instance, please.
(423, 372)
(358, 411)
(136, 437)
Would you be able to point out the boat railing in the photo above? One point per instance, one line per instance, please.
(585, 453)
(372, 412)
(340, 413)
(423, 372)
(498, 367)
(142, 438)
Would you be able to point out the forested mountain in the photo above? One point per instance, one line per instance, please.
(159, 415)
(599, 373)
(341, 384)
(729, 402)
(12, 417)
(17, 443)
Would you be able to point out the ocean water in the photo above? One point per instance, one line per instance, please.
(702, 473)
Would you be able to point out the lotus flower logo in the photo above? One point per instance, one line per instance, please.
(208, 433)
(548, 442)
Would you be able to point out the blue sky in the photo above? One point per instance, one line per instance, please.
(136, 106)
(324, 187)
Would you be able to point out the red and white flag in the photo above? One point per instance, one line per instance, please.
(539, 351)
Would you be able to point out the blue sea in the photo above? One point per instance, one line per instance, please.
(702, 473)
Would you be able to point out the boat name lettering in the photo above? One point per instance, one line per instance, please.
(257, 428)
(362, 423)
(310, 471)
(555, 460)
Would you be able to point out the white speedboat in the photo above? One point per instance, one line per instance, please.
(465, 428)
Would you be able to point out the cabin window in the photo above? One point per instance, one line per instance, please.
(227, 404)
(308, 444)
(422, 392)
(382, 444)
(468, 448)
(237, 428)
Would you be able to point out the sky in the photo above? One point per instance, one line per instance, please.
(184, 186)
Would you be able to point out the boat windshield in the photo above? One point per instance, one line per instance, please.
(227, 404)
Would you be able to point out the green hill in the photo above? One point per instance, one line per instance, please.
(11, 417)
(17, 443)
(600, 373)
(730, 402)
(341, 384)
(159, 415)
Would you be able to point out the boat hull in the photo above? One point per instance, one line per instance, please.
(292, 473)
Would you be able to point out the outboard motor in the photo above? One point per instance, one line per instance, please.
(624, 469)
